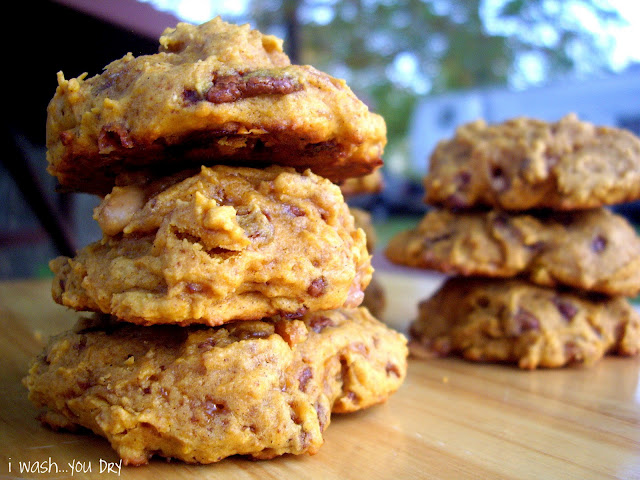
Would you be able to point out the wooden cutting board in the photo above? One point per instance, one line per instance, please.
(450, 420)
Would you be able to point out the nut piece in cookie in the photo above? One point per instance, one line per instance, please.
(226, 244)
(594, 250)
(526, 163)
(512, 321)
(260, 388)
(214, 93)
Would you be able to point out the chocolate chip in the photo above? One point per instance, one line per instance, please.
(248, 333)
(462, 178)
(191, 96)
(323, 417)
(392, 368)
(317, 287)
(598, 244)
(297, 314)
(207, 344)
(483, 301)
(500, 220)
(568, 310)
(304, 378)
(293, 210)
(429, 241)
(499, 181)
(536, 246)
(525, 321)
(317, 324)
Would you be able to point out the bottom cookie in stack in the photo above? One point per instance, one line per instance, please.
(200, 394)
(514, 321)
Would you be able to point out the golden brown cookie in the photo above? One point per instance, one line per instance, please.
(362, 219)
(594, 250)
(223, 245)
(260, 388)
(375, 298)
(526, 163)
(489, 320)
(367, 184)
(214, 93)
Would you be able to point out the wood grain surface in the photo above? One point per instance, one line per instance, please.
(450, 420)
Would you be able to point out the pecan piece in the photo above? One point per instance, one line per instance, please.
(317, 287)
(229, 88)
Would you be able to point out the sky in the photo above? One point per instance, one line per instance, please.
(628, 37)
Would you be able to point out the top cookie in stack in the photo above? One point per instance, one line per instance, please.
(214, 93)
(525, 164)
(229, 274)
(527, 199)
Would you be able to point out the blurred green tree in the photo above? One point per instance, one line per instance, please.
(393, 52)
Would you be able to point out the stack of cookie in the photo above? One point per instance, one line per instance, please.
(540, 266)
(225, 295)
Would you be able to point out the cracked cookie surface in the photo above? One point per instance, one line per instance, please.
(594, 250)
(200, 394)
(225, 244)
(526, 163)
(214, 93)
(512, 321)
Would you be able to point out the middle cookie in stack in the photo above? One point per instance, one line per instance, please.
(227, 295)
(523, 204)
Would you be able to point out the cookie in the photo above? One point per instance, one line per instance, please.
(490, 320)
(375, 296)
(214, 93)
(200, 394)
(526, 163)
(367, 184)
(362, 219)
(226, 244)
(594, 250)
